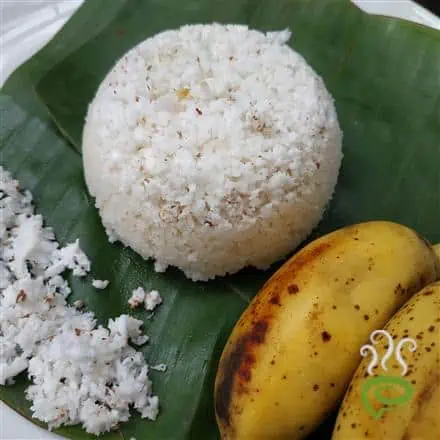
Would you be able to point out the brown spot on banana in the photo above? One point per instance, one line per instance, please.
(237, 367)
(275, 300)
(292, 289)
(237, 362)
(326, 336)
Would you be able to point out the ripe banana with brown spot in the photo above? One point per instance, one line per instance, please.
(393, 404)
(295, 348)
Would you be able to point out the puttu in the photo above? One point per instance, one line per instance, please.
(211, 148)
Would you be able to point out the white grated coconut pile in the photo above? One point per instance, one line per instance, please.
(211, 148)
(80, 373)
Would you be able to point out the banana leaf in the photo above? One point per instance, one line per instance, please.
(385, 76)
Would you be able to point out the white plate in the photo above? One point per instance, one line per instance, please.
(26, 26)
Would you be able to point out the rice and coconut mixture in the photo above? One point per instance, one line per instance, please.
(211, 148)
(80, 372)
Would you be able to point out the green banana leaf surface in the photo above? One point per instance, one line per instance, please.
(385, 77)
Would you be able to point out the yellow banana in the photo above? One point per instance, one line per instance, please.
(295, 348)
(416, 395)
(437, 250)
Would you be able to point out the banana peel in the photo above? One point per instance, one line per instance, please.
(294, 350)
(395, 393)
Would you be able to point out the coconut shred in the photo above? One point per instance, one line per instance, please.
(80, 372)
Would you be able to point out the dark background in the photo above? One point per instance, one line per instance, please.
(432, 5)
